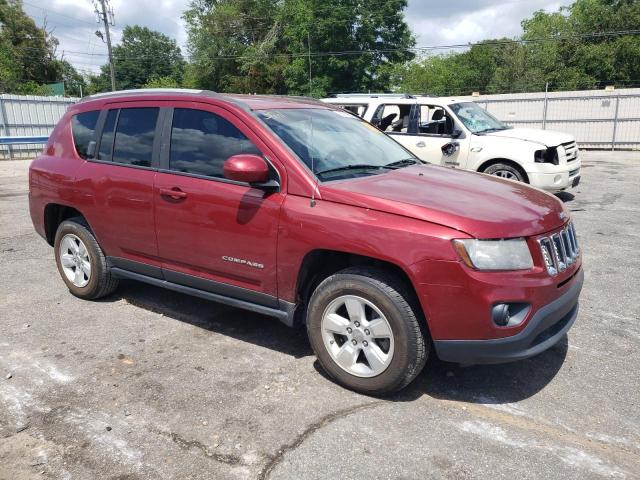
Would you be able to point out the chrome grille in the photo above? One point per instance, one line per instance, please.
(570, 151)
(560, 250)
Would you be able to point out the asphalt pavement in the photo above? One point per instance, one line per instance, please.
(151, 384)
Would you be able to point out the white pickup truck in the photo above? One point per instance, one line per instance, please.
(462, 134)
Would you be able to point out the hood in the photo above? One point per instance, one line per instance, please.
(548, 138)
(481, 205)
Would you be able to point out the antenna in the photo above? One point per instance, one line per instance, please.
(309, 56)
(313, 170)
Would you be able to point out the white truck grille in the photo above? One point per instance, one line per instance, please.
(570, 151)
(560, 250)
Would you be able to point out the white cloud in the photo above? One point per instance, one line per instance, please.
(454, 22)
(74, 24)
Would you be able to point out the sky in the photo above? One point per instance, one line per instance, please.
(434, 22)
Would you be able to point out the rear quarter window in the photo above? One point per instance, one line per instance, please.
(83, 127)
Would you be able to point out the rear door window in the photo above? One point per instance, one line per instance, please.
(392, 118)
(201, 141)
(357, 108)
(135, 132)
(83, 126)
(106, 141)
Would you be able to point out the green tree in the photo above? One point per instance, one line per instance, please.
(564, 48)
(473, 70)
(142, 55)
(74, 83)
(28, 55)
(161, 82)
(263, 45)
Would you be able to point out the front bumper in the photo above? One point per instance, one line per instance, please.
(557, 181)
(547, 326)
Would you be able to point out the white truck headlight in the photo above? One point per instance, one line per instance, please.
(506, 254)
(549, 155)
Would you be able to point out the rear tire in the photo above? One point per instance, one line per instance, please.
(504, 170)
(366, 328)
(81, 262)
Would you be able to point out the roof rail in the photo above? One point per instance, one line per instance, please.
(143, 90)
(374, 95)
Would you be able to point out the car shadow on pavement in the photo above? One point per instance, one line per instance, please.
(494, 384)
(488, 384)
(240, 324)
(565, 197)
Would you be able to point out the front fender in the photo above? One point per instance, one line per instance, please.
(483, 150)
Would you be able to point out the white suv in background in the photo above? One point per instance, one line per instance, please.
(462, 134)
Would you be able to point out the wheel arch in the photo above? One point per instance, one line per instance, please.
(320, 264)
(54, 215)
(506, 161)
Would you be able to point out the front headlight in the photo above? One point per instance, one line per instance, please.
(549, 155)
(508, 254)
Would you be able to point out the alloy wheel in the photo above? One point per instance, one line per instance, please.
(357, 335)
(75, 261)
(505, 174)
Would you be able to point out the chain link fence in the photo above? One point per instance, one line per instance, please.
(598, 119)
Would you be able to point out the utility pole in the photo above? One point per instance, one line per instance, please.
(105, 15)
(546, 104)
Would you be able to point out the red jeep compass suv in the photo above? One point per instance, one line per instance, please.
(295, 209)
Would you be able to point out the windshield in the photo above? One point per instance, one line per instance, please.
(336, 144)
(476, 118)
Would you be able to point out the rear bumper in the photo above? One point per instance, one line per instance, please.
(547, 326)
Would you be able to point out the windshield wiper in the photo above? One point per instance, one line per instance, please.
(403, 163)
(359, 166)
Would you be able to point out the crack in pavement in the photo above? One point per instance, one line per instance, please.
(185, 444)
(328, 419)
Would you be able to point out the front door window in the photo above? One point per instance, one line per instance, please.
(435, 120)
(201, 141)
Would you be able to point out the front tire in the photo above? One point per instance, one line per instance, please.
(504, 170)
(365, 328)
(81, 262)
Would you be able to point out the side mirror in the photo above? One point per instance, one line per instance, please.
(249, 168)
(456, 133)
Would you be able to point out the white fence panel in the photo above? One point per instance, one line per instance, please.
(597, 119)
(29, 115)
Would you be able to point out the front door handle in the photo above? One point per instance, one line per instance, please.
(421, 144)
(174, 193)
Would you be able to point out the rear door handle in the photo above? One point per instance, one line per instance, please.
(421, 144)
(174, 193)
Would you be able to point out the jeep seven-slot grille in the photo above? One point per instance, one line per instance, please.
(570, 151)
(560, 250)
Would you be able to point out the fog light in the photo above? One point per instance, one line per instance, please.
(509, 314)
(557, 179)
(500, 314)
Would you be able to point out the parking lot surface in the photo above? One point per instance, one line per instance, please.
(151, 384)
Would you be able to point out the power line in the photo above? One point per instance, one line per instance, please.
(53, 12)
(417, 49)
